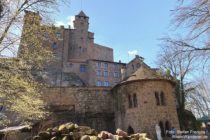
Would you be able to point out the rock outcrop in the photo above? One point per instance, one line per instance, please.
(70, 131)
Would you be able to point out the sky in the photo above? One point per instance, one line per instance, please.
(130, 27)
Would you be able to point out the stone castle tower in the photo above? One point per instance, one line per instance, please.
(82, 40)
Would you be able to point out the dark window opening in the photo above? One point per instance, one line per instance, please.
(167, 127)
(130, 130)
(129, 101)
(54, 45)
(162, 129)
(80, 49)
(157, 98)
(135, 100)
(1, 108)
(162, 98)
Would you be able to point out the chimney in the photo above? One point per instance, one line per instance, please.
(137, 56)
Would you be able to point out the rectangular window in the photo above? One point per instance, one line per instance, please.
(98, 73)
(98, 64)
(106, 65)
(99, 83)
(106, 83)
(105, 73)
(58, 35)
(116, 74)
(83, 68)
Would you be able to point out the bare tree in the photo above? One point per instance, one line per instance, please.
(199, 100)
(181, 66)
(12, 14)
(192, 17)
(20, 93)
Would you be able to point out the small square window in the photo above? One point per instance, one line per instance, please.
(83, 68)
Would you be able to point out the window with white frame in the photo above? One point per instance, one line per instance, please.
(98, 73)
(105, 73)
(106, 65)
(106, 83)
(99, 83)
(98, 64)
(116, 74)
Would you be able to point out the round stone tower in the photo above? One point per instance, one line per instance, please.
(144, 100)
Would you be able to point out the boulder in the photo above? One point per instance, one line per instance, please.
(54, 138)
(103, 135)
(62, 128)
(70, 131)
(91, 132)
(122, 133)
(94, 138)
(44, 135)
(85, 137)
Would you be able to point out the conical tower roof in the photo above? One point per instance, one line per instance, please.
(82, 14)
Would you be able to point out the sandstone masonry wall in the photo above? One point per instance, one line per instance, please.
(85, 106)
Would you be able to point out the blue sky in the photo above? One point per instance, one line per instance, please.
(125, 25)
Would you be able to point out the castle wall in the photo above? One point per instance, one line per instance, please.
(85, 106)
(102, 53)
(147, 114)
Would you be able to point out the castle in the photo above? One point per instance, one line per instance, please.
(87, 87)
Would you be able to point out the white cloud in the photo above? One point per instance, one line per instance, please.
(132, 52)
(70, 21)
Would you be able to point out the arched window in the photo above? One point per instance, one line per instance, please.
(157, 98)
(129, 101)
(162, 98)
(135, 104)
(167, 127)
(130, 130)
(162, 128)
